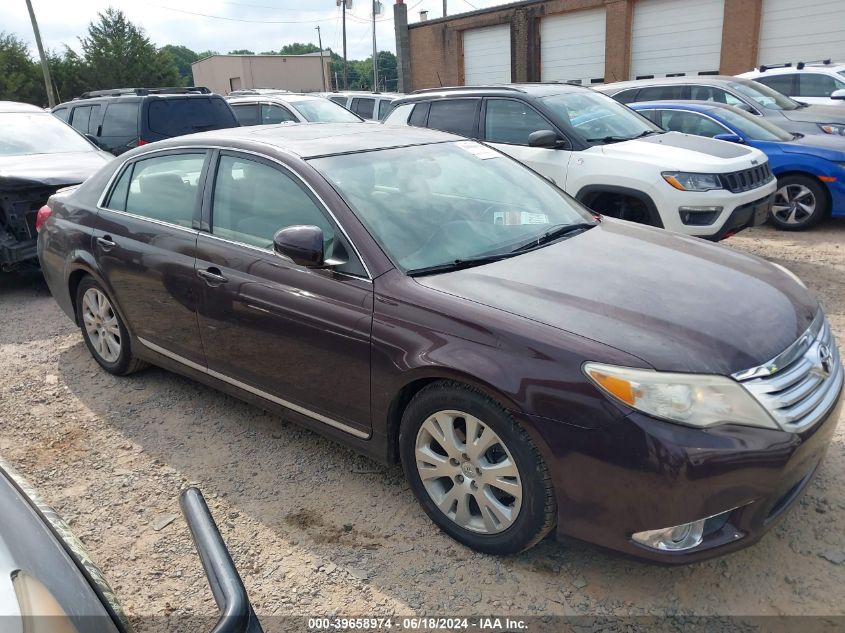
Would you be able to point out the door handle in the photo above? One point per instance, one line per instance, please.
(106, 242)
(212, 276)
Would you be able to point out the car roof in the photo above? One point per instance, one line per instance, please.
(512, 90)
(290, 97)
(663, 81)
(363, 93)
(833, 68)
(15, 106)
(698, 106)
(310, 140)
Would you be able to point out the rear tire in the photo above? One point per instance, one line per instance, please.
(103, 330)
(492, 493)
(800, 203)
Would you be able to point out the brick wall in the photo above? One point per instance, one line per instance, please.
(436, 53)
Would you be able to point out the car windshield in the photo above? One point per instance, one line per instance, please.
(598, 118)
(431, 205)
(754, 127)
(36, 133)
(323, 111)
(764, 96)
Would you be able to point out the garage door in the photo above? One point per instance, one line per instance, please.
(805, 31)
(572, 47)
(676, 37)
(487, 55)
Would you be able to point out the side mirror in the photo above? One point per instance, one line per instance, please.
(543, 138)
(730, 138)
(838, 94)
(304, 245)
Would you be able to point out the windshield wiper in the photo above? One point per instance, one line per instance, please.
(620, 139)
(459, 264)
(553, 234)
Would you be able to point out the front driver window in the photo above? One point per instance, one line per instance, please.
(271, 114)
(252, 201)
(511, 121)
(709, 93)
(691, 123)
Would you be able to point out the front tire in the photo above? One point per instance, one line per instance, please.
(475, 471)
(103, 330)
(800, 203)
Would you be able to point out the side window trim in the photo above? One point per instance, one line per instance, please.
(208, 200)
(130, 164)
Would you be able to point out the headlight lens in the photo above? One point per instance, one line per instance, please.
(693, 399)
(833, 128)
(692, 182)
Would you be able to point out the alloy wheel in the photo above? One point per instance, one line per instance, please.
(468, 472)
(101, 325)
(794, 204)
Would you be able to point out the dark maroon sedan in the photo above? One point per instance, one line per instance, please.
(424, 298)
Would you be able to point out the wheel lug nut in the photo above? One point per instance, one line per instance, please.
(473, 485)
(454, 462)
(459, 479)
(464, 455)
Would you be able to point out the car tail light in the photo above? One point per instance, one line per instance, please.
(43, 213)
(142, 142)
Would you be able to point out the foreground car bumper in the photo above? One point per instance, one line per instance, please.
(639, 473)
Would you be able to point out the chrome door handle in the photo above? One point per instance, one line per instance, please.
(212, 276)
(106, 243)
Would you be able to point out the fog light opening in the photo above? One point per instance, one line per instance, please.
(673, 539)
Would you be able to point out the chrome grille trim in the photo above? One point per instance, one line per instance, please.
(794, 387)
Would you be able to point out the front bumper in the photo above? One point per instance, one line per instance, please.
(639, 473)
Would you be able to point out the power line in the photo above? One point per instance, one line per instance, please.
(220, 17)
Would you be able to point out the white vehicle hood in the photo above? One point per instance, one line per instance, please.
(684, 152)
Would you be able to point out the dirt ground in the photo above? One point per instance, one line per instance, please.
(318, 530)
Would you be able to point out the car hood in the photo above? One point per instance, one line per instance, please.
(684, 152)
(816, 114)
(678, 303)
(54, 170)
(826, 146)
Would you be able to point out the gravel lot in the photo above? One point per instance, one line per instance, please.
(318, 530)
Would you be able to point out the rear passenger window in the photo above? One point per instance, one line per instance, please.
(817, 85)
(252, 201)
(121, 119)
(61, 113)
(660, 93)
(363, 107)
(784, 84)
(383, 108)
(247, 114)
(163, 188)
(454, 115)
(339, 100)
(420, 115)
(186, 115)
(85, 118)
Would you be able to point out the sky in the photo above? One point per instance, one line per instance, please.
(225, 25)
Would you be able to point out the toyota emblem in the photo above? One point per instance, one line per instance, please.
(825, 358)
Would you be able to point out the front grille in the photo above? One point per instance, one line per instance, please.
(21, 209)
(802, 391)
(748, 179)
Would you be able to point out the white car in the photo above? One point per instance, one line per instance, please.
(820, 83)
(605, 155)
(368, 105)
(267, 109)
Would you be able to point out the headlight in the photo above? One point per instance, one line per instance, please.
(693, 399)
(692, 182)
(833, 128)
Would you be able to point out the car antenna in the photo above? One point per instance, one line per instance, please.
(439, 80)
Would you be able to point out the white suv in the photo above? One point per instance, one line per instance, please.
(605, 155)
(820, 83)
(367, 105)
(270, 108)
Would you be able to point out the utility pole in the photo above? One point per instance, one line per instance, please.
(444, 8)
(345, 73)
(375, 53)
(45, 68)
(322, 64)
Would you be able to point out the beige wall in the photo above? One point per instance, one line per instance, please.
(297, 73)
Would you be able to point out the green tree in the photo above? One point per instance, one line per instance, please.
(298, 48)
(119, 54)
(19, 74)
(242, 51)
(205, 54)
(69, 74)
(183, 57)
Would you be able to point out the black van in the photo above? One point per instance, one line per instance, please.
(118, 120)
